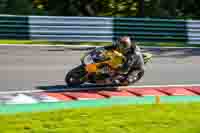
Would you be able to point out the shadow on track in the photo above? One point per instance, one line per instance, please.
(84, 87)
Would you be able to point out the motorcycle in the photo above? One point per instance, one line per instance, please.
(96, 67)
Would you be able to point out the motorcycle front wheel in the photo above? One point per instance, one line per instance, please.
(134, 78)
(75, 76)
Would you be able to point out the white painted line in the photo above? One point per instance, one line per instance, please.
(106, 87)
(157, 86)
(25, 91)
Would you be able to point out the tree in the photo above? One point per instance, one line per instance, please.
(117, 7)
(21, 7)
(126, 8)
(40, 4)
(141, 7)
(3, 5)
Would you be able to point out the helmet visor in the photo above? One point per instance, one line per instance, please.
(123, 46)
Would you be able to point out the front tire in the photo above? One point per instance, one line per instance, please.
(135, 77)
(75, 76)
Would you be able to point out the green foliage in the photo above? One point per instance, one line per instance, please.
(117, 8)
(22, 7)
(40, 7)
(40, 4)
(128, 8)
(63, 8)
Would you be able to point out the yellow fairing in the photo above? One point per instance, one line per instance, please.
(91, 68)
(116, 58)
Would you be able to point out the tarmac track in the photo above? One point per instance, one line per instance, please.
(28, 68)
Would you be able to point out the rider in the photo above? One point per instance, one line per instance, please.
(134, 60)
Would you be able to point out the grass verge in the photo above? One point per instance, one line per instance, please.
(43, 42)
(35, 42)
(155, 118)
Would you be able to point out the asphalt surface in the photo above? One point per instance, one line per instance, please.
(30, 68)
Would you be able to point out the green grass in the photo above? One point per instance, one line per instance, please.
(171, 118)
(35, 42)
(28, 42)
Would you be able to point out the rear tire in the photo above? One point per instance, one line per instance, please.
(75, 76)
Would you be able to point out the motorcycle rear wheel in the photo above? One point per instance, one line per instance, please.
(75, 76)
